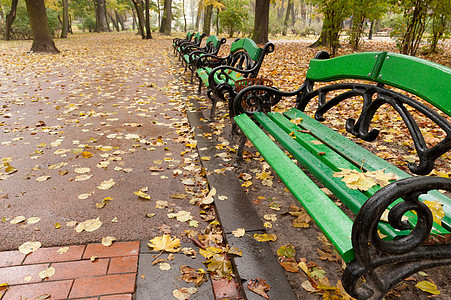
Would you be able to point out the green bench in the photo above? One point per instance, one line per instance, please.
(382, 252)
(190, 54)
(196, 41)
(219, 74)
(177, 41)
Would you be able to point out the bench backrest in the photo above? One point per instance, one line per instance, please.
(426, 79)
(213, 43)
(246, 55)
(198, 38)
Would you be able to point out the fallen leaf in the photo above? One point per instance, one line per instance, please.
(43, 178)
(264, 237)
(47, 273)
(259, 286)
(107, 184)
(165, 266)
(184, 293)
(88, 225)
(428, 287)
(82, 177)
(142, 195)
(239, 232)
(84, 196)
(62, 250)
(86, 154)
(17, 220)
(82, 170)
(287, 251)
(29, 247)
(108, 241)
(165, 243)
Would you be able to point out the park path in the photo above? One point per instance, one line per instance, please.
(84, 131)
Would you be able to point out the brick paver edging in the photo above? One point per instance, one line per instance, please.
(82, 271)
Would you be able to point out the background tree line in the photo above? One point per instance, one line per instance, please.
(411, 22)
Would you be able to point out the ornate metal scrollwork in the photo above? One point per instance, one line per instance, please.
(373, 97)
(385, 263)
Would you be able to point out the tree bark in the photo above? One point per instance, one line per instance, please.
(42, 37)
(207, 19)
(10, 19)
(101, 21)
(199, 15)
(115, 23)
(120, 20)
(65, 22)
(370, 34)
(166, 20)
(139, 12)
(261, 22)
(184, 15)
(148, 32)
(287, 16)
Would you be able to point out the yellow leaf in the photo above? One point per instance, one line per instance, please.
(107, 184)
(88, 225)
(165, 243)
(29, 247)
(47, 273)
(62, 250)
(142, 195)
(86, 154)
(265, 237)
(108, 241)
(239, 232)
(247, 184)
(437, 210)
(209, 252)
(428, 287)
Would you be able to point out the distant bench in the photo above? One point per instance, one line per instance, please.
(219, 74)
(382, 252)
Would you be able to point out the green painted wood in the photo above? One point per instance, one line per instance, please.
(358, 66)
(214, 40)
(360, 156)
(426, 79)
(249, 46)
(332, 221)
(280, 128)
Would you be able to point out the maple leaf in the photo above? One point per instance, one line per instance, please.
(363, 181)
(259, 286)
(220, 266)
(165, 243)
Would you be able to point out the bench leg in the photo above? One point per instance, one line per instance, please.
(240, 151)
(200, 86)
(214, 100)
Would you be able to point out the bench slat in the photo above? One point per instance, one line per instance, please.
(338, 227)
(357, 155)
(279, 127)
(358, 66)
(249, 45)
(411, 73)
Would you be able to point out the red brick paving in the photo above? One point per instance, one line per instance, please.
(110, 277)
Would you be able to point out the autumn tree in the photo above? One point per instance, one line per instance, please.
(148, 31)
(42, 37)
(65, 20)
(440, 27)
(140, 13)
(166, 20)
(10, 19)
(334, 12)
(412, 25)
(233, 15)
(261, 21)
(362, 11)
(101, 16)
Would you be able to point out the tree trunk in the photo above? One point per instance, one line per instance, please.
(415, 28)
(101, 21)
(65, 22)
(134, 20)
(330, 31)
(207, 19)
(199, 15)
(287, 16)
(166, 20)
(70, 25)
(120, 20)
(42, 37)
(148, 32)
(159, 13)
(10, 19)
(261, 22)
(370, 34)
(115, 23)
(184, 15)
(217, 21)
(139, 12)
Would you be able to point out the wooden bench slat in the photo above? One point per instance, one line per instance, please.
(249, 45)
(334, 224)
(353, 199)
(410, 73)
(358, 66)
(357, 155)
